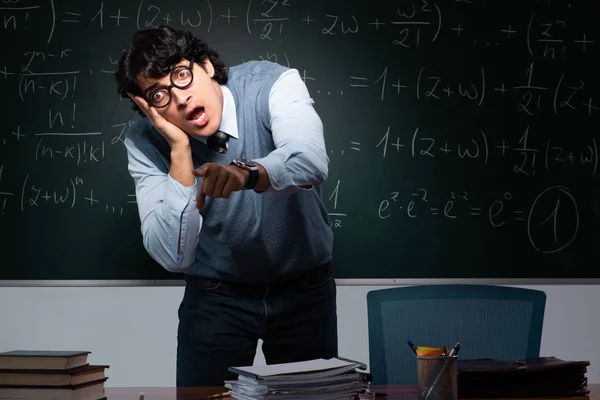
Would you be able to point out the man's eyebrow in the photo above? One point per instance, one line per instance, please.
(151, 87)
(155, 84)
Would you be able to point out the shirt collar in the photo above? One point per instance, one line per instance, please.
(228, 116)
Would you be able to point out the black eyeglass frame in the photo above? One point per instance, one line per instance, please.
(172, 85)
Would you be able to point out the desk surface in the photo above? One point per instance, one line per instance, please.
(163, 393)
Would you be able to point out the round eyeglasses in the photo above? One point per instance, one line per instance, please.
(181, 77)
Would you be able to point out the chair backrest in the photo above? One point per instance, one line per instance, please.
(499, 322)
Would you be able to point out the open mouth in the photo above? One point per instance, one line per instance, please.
(197, 115)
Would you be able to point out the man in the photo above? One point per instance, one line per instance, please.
(244, 219)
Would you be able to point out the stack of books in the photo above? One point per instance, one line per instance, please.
(319, 379)
(56, 375)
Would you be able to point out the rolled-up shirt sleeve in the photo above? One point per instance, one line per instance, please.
(300, 160)
(170, 221)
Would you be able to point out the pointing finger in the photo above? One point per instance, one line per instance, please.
(201, 171)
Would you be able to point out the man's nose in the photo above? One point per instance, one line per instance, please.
(181, 96)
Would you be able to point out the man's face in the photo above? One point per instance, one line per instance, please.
(196, 109)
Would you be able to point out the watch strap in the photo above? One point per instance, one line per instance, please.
(253, 179)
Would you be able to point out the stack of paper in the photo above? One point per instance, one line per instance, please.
(322, 379)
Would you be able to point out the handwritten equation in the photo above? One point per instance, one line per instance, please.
(549, 156)
(551, 220)
(530, 98)
(411, 24)
(67, 145)
(73, 192)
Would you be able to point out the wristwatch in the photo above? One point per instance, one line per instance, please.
(249, 166)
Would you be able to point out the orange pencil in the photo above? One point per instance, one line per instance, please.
(219, 395)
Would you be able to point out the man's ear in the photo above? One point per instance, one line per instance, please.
(208, 67)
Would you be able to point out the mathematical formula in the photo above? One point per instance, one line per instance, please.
(560, 221)
(412, 24)
(71, 193)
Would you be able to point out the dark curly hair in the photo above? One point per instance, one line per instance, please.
(154, 51)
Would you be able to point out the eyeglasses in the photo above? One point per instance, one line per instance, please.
(181, 77)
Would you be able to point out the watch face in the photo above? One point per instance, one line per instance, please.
(244, 162)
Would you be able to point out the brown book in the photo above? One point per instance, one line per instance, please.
(40, 359)
(86, 391)
(52, 377)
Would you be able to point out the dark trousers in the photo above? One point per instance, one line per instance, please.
(220, 324)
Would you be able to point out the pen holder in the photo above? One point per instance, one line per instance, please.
(437, 377)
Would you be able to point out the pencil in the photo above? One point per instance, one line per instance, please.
(219, 395)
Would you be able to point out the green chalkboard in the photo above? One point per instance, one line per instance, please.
(463, 135)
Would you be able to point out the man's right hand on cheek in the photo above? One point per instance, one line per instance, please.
(219, 181)
(169, 131)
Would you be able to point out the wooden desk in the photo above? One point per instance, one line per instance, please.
(393, 392)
